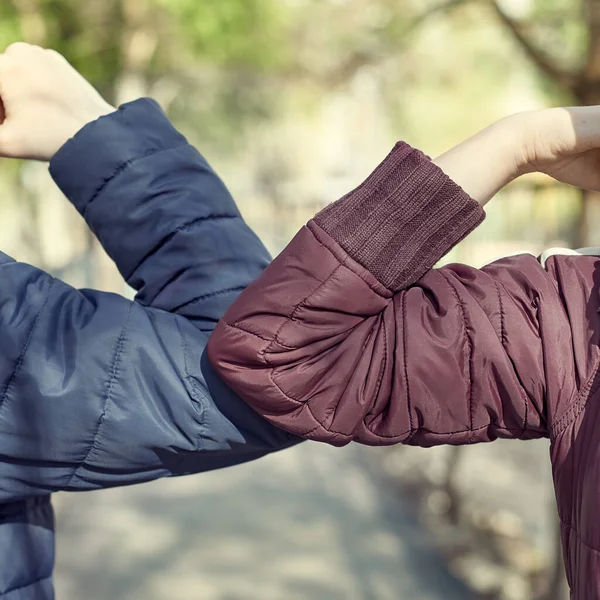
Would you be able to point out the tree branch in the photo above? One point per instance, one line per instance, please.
(543, 63)
(353, 63)
(592, 18)
(442, 7)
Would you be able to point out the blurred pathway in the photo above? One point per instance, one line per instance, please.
(307, 523)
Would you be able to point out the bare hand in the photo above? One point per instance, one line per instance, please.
(565, 144)
(45, 101)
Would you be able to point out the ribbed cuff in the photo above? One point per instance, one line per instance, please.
(405, 217)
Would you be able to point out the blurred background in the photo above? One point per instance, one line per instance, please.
(295, 102)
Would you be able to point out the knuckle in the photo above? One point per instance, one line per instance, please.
(54, 54)
(18, 48)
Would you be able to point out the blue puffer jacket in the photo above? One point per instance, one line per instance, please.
(99, 391)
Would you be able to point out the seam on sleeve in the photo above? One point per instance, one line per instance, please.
(302, 303)
(185, 227)
(342, 392)
(292, 315)
(113, 376)
(198, 299)
(198, 396)
(475, 430)
(256, 335)
(501, 309)
(183, 346)
(20, 588)
(579, 538)
(306, 404)
(577, 406)
(469, 346)
(378, 388)
(384, 363)
(18, 364)
(499, 287)
(359, 272)
(404, 355)
(303, 404)
(123, 166)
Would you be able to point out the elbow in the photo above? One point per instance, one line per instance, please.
(238, 359)
(241, 360)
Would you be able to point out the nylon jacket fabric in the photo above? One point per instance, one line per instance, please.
(343, 339)
(97, 390)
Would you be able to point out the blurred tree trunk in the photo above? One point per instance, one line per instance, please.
(451, 486)
(583, 86)
(139, 41)
(587, 91)
(134, 35)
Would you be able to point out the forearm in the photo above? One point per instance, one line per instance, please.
(483, 164)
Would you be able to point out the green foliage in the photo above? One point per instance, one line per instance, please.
(86, 33)
(232, 33)
(9, 25)
(559, 28)
(234, 64)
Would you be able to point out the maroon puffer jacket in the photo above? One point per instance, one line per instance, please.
(351, 335)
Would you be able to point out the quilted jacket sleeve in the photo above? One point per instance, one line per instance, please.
(351, 335)
(96, 390)
(161, 212)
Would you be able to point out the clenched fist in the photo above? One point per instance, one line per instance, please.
(45, 101)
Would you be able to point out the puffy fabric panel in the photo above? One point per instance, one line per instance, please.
(96, 390)
(350, 336)
(27, 549)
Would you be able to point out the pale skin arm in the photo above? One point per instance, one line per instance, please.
(483, 164)
(561, 142)
(45, 101)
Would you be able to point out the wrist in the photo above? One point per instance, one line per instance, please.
(93, 113)
(528, 130)
(486, 162)
(553, 134)
(78, 122)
